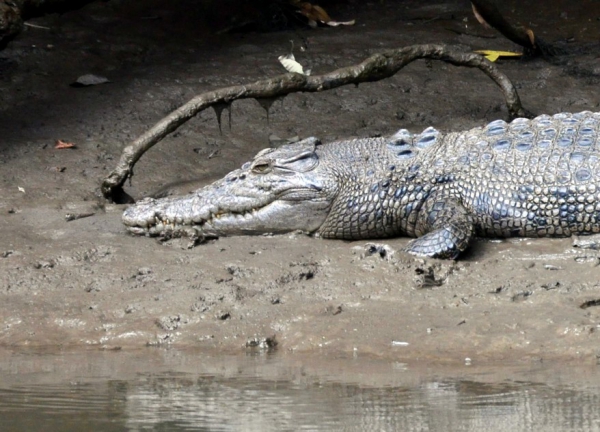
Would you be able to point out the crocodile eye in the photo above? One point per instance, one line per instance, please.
(261, 168)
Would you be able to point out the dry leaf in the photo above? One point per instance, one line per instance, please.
(319, 13)
(89, 80)
(339, 23)
(291, 65)
(60, 144)
(315, 13)
(493, 55)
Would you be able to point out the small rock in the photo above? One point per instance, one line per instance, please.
(143, 271)
(376, 249)
(521, 296)
(238, 271)
(171, 322)
(223, 316)
(587, 242)
(161, 340)
(334, 310)
(588, 259)
(590, 303)
(498, 290)
(425, 277)
(262, 342)
(551, 285)
(92, 287)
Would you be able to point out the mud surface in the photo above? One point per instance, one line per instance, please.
(86, 282)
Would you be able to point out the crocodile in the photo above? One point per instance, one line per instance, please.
(528, 178)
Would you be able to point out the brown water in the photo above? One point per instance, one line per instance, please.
(170, 390)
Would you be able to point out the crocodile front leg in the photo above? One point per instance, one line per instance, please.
(444, 228)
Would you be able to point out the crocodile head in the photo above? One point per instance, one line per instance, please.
(280, 190)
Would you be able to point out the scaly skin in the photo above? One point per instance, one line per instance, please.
(529, 178)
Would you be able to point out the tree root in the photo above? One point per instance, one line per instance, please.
(375, 68)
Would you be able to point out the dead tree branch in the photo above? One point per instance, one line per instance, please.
(524, 36)
(375, 68)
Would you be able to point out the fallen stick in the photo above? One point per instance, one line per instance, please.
(375, 68)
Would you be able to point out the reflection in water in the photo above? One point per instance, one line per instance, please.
(161, 391)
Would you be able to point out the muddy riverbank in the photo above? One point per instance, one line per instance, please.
(86, 282)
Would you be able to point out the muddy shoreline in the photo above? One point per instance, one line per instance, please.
(85, 282)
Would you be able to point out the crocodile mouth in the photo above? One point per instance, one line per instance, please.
(273, 217)
(163, 226)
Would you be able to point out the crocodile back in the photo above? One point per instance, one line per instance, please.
(533, 178)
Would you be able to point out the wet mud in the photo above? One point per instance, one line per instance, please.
(71, 276)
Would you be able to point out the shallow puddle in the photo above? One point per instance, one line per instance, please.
(169, 390)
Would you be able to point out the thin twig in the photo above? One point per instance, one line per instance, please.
(375, 68)
(28, 24)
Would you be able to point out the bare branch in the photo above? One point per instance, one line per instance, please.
(487, 11)
(375, 68)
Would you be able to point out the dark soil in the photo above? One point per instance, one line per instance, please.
(86, 282)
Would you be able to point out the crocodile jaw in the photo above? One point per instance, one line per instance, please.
(199, 215)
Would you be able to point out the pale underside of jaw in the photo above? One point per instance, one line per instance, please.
(206, 227)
